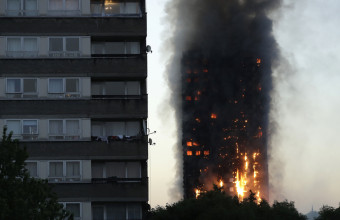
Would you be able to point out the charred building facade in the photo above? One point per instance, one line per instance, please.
(73, 90)
(224, 53)
(223, 126)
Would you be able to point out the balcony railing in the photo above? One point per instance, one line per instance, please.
(63, 179)
(16, 13)
(119, 180)
(64, 137)
(20, 54)
(63, 13)
(25, 137)
(57, 54)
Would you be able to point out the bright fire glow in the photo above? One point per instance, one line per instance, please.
(221, 183)
(198, 193)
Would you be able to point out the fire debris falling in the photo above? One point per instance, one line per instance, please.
(220, 76)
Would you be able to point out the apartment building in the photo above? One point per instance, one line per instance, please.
(73, 90)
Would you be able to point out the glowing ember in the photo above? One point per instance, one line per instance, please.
(258, 60)
(198, 153)
(189, 143)
(188, 98)
(206, 153)
(213, 116)
(189, 153)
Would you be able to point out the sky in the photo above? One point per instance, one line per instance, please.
(305, 148)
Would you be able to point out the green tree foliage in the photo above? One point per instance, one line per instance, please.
(23, 197)
(217, 205)
(329, 213)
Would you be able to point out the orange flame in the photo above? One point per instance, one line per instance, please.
(213, 116)
(189, 153)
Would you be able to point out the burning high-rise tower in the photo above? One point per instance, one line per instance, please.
(224, 70)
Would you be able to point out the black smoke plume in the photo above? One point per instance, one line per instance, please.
(220, 74)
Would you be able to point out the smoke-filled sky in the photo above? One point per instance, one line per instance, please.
(305, 155)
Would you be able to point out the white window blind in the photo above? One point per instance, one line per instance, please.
(56, 127)
(56, 169)
(68, 171)
(22, 47)
(13, 86)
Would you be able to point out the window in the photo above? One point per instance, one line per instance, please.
(22, 47)
(74, 208)
(23, 129)
(127, 211)
(61, 171)
(32, 168)
(116, 169)
(64, 47)
(115, 8)
(64, 7)
(115, 88)
(64, 129)
(115, 48)
(119, 129)
(21, 88)
(63, 88)
(22, 7)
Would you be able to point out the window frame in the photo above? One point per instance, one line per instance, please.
(64, 136)
(105, 52)
(103, 13)
(103, 125)
(22, 11)
(23, 136)
(22, 53)
(63, 11)
(105, 169)
(103, 89)
(64, 93)
(21, 92)
(64, 178)
(64, 52)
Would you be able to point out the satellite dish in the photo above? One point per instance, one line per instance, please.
(148, 49)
